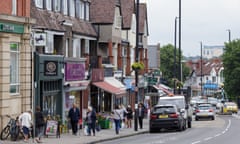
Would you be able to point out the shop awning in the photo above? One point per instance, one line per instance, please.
(75, 85)
(160, 87)
(111, 85)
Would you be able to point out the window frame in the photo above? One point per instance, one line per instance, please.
(39, 3)
(16, 83)
(14, 7)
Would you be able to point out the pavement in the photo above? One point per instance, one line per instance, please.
(103, 135)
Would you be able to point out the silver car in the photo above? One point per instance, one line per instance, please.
(204, 111)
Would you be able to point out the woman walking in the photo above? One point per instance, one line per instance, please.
(129, 116)
(91, 121)
(40, 124)
(116, 114)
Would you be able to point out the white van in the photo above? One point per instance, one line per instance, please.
(180, 102)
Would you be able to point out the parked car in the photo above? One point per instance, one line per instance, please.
(231, 107)
(167, 117)
(204, 110)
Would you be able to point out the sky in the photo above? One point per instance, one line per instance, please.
(206, 21)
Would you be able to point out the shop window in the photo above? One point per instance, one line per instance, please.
(14, 68)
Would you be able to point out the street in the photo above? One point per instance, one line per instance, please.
(221, 131)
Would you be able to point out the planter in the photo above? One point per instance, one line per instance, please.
(105, 124)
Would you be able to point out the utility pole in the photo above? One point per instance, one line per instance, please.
(201, 70)
(175, 51)
(136, 72)
(179, 40)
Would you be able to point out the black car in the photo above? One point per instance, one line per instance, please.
(166, 117)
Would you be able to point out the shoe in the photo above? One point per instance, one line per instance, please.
(38, 140)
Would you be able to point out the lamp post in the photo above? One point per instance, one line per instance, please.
(229, 35)
(136, 72)
(201, 70)
(175, 51)
(179, 39)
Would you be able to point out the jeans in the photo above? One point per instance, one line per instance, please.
(117, 125)
(91, 126)
(40, 131)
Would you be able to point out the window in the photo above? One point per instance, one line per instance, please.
(65, 7)
(118, 21)
(87, 11)
(57, 5)
(49, 5)
(87, 46)
(76, 48)
(80, 9)
(72, 8)
(67, 41)
(14, 7)
(14, 68)
(39, 3)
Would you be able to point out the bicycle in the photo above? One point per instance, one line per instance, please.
(12, 129)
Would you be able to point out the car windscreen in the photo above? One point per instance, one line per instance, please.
(164, 110)
(178, 102)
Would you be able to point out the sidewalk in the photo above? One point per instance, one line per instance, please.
(103, 135)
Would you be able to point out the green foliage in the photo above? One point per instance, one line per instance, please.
(231, 63)
(167, 64)
(137, 66)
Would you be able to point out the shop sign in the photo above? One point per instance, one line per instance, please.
(40, 39)
(50, 68)
(74, 71)
(11, 28)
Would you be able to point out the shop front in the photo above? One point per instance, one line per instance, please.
(48, 82)
(76, 88)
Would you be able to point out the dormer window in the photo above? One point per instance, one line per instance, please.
(118, 21)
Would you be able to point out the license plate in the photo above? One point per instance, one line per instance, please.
(163, 116)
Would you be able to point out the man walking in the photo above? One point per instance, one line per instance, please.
(140, 115)
(74, 115)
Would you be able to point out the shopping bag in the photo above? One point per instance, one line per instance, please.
(85, 130)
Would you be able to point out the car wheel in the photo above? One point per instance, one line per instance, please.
(196, 118)
(213, 118)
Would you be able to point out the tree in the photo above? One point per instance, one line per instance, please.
(231, 63)
(167, 65)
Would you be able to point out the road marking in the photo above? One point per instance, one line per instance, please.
(196, 142)
(219, 134)
(206, 139)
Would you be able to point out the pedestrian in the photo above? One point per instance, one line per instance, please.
(123, 115)
(25, 120)
(40, 124)
(129, 116)
(91, 120)
(140, 115)
(74, 116)
(116, 117)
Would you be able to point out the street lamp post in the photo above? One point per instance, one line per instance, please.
(229, 35)
(175, 51)
(136, 72)
(179, 40)
(201, 70)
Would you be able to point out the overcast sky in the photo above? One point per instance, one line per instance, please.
(203, 21)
